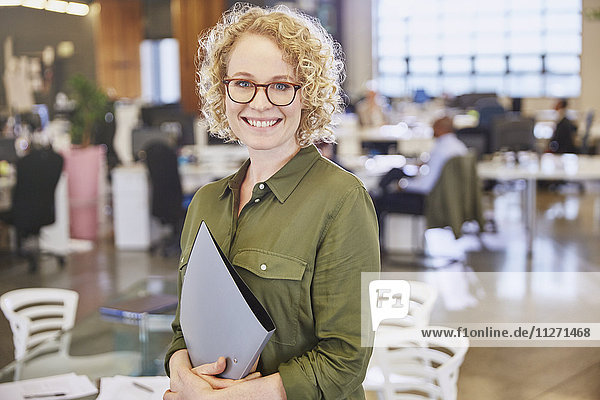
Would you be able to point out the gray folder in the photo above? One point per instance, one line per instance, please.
(219, 315)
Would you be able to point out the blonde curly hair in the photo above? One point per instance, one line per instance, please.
(305, 44)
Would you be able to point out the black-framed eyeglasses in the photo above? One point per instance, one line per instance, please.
(243, 91)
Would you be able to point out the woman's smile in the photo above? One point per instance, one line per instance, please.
(261, 122)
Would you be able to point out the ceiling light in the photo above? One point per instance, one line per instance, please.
(39, 4)
(77, 8)
(56, 6)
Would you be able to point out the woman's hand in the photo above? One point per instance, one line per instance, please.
(208, 372)
(185, 384)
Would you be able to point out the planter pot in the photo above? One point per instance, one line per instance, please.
(83, 166)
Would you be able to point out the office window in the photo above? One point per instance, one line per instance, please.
(513, 47)
(160, 71)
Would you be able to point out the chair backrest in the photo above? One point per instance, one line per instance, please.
(456, 197)
(422, 298)
(33, 195)
(413, 366)
(513, 133)
(38, 314)
(167, 195)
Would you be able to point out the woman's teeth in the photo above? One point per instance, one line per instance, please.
(261, 124)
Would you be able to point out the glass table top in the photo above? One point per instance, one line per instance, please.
(99, 345)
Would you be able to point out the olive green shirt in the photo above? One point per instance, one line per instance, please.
(300, 244)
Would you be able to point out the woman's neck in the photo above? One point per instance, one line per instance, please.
(264, 164)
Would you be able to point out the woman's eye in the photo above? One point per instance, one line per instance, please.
(282, 86)
(243, 84)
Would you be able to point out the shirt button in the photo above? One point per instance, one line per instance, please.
(256, 200)
(263, 266)
(261, 186)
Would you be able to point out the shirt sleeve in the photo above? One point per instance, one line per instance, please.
(177, 341)
(335, 368)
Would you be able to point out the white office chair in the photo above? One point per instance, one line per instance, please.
(405, 366)
(37, 315)
(422, 298)
(39, 318)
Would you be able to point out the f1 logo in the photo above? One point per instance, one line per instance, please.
(388, 299)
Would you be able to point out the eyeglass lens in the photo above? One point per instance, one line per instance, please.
(278, 93)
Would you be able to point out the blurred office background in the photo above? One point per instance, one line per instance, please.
(133, 61)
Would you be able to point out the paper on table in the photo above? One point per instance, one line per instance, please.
(124, 387)
(67, 386)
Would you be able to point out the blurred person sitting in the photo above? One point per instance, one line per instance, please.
(372, 110)
(563, 138)
(446, 146)
(401, 193)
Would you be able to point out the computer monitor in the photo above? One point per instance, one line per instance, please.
(142, 137)
(158, 115)
(8, 152)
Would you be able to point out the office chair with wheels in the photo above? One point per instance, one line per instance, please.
(33, 204)
(167, 194)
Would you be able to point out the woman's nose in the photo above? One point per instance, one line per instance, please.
(260, 101)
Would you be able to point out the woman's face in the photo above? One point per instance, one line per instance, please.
(260, 125)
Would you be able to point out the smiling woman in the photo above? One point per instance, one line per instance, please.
(307, 48)
(291, 222)
(258, 122)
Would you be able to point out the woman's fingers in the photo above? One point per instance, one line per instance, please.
(211, 369)
(253, 375)
(220, 383)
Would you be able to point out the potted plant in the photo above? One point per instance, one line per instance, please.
(85, 161)
(91, 104)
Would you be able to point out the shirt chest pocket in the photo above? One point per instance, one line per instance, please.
(276, 280)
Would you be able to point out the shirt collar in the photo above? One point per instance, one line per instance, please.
(284, 181)
(235, 181)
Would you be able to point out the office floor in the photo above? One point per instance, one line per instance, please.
(568, 233)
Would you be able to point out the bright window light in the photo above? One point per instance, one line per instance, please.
(10, 3)
(34, 3)
(77, 9)
(56, 6)
(513, 47)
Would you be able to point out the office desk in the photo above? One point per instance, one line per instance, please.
(566, 167)
(399, 139)
(98, 346)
